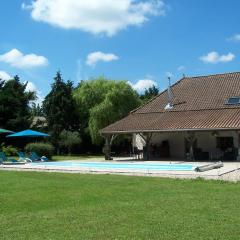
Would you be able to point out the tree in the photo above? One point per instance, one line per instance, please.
(60, 109)
(36, 110)
(149, 93)
(88, 94)
(102, 102)
(15, 112)
(69, 139)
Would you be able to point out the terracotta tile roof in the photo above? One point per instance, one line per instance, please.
(195, 93)
(199, 103)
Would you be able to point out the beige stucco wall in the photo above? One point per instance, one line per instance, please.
(207, 141)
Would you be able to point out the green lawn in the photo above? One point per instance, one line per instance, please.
(75, 206)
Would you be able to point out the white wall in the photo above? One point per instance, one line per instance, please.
(207, 140)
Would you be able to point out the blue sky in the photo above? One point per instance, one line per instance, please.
(121, 39)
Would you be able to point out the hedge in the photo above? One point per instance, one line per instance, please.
(42, 149)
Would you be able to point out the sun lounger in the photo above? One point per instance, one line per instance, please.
(8, 161)
(23, 158)
(34, 157)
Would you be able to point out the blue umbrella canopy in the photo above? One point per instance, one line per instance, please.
(29, 133)
(5, 131)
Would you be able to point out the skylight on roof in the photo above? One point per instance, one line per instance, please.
(233, 101)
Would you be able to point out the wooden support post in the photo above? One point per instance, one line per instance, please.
(192, 139)
(107, 147)
(238, 157)
(112, 138)
(148, 140)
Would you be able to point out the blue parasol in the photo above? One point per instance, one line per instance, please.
(5, 131)
(29, 133)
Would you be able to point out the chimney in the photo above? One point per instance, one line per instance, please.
(170, 96)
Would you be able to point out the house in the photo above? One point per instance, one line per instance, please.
(197, 118)
(39, 122)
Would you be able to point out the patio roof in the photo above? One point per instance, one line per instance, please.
(222, 119)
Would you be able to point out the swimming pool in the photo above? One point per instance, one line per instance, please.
(114, 166)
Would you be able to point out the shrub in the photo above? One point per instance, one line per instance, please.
(69, 139)
(42, 149)
(9, 150)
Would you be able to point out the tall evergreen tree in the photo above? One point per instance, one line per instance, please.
(15, 111)
(36, 110)
(60, 109)
(149, 93)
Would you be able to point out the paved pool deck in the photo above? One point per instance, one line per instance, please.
(229, 172)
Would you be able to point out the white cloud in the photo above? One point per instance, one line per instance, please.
(26, 7)
(17, 59)
(95, 57)
(143, 84)
(31, 87)
(215, 57)
(181, 68)
(234, 38)
(95, 16)
(4, 76)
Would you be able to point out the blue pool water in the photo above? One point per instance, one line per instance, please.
(125, 166)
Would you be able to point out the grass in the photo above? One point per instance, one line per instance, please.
(77, 157)
(73, 206)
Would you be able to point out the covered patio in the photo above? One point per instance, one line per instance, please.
(223, 145)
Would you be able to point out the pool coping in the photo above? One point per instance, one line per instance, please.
(228, 174)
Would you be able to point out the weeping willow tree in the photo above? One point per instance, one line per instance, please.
(102, 102)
